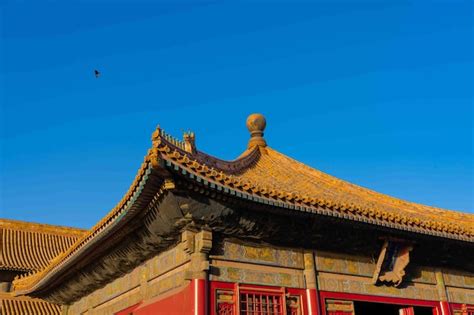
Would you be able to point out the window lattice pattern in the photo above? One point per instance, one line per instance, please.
(225, 309)
(260, 304)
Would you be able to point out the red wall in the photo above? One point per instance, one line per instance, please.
(176, 304)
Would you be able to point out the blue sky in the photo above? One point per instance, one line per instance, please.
(379, 93)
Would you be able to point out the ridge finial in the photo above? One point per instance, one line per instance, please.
(189, 140)
(256, 124)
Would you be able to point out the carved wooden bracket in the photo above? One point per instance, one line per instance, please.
(198, 244)
(187, 238)
(393, 259)
(204, 241)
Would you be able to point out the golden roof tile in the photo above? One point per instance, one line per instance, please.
(31, 246)
(11, 305)
(279, 177)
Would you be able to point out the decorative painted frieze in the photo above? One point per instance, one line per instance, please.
(253, 276)
(344, 264)
(457, 295)
(454, 278)
(328, 282)
(264, 255)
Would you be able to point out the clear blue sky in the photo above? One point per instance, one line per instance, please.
(379, 93)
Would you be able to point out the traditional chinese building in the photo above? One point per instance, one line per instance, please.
(27, 248)
(263, 234)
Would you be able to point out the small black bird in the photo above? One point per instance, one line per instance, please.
(97, 73)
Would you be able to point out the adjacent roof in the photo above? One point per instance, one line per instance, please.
(264, 175)
(10, 305)
(31, 246)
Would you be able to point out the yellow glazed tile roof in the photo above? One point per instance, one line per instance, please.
(264, 174)
(277, 177)
(29, 246)
(283, 177)
(10, 305)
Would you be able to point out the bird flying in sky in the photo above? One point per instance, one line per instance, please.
(96, 73)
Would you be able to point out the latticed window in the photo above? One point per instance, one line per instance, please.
(261, 304)
(225, 302)
(225, 309)
(255, 300)
(464, 310)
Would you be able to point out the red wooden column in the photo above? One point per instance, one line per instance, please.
(444, 307)
(200, 298)
(198, 245)
(311, 283)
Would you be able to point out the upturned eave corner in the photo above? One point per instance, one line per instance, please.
(153, 177)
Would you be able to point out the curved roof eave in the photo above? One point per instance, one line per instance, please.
(248, 177)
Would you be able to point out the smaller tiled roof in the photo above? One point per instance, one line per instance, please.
(10, 305)
(29, 246)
